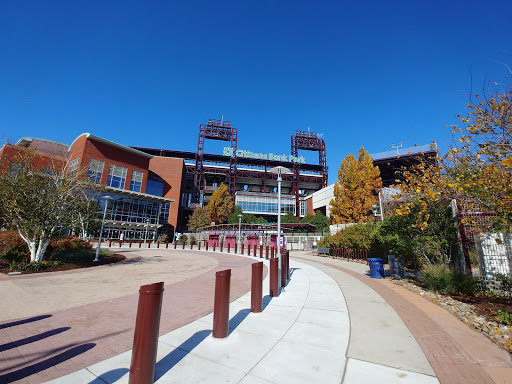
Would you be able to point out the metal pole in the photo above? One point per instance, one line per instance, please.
(146, 236)
(279, 179)
(239, 231)
(101, 233)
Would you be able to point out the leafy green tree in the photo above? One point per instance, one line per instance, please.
(199, 218)
(320, 221)
(353, 197)
(289, 218)
(221, 204)
(233, 217)
(359, 236)
(39, 202)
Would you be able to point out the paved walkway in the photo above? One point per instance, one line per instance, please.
(331, 324)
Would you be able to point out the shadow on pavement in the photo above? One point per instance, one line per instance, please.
(32, 339)
(24, 321)
(110, 376)
(45, 364)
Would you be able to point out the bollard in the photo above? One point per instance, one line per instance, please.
(175, 244)
(236, 247)
(221, 304)
(109, 243)
(272, 249)
(221, 246)
(248, 250)
(283, 268)
(145, 339)
(266, 252)
(206, 245)
(149, 244)
(158, 244)
(261, 251)
(199, 245)
(183, 245)
(213, 247)
(140, 243)
(167, 244)
(242, 249)
(130, 243)
(254, 249)
(229, 247)
(191, 245)
(256, 287)
(274, 270)
(120, 244)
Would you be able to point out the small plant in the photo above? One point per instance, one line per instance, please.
(503, 316)
(13, 248)
(162, 238)
(467, 285)
(184, 238)
(192, 240)
(438, 277)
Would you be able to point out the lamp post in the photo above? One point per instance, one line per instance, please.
(107, 198)
(239, 231)
(279, 171)
(146, 236)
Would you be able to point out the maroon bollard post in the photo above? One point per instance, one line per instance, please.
(191, 245)
(283, 268)
(229, 247)
(206, 244)
(149, 244)
(140, 243)
(174, 244)
(158, 244)
(287, 265)
(120, 244)
(145, 339)
(221, 246)
(256, 287)
(183, 245)
(272, 249)
(213, 247)
(254, 249)
(242, 249)
(221, 304)
(261, 251)
(167, 245)
(109, 243)
(274, 282)
(266, 252)
(236, 247)
(248, 250)
(130, 243)
(199, 245)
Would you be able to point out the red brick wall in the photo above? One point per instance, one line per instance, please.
(87, 148)
(11, 154)
(172, 171)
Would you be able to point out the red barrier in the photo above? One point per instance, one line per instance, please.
(261, 251)
(242, 249)
(229, 247)
(167, 245)
(158, 244)
(274, 281)
(199, 245)
(109, 243)
(221, 246)
(183, 245)
(149, 244)
(266, 252)
(175, 245)
(145, 339)
(130, 243)
(236, 247)
(213, 247)
(221, 304)
(254, 250)
(248, 251)
(256, 287)
(140, 243)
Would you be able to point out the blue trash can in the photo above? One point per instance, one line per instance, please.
(376, 268)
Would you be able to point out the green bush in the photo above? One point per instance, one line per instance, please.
(358, 236)
(467, 285)
(13, 248)
(503, 317)
(438, 278)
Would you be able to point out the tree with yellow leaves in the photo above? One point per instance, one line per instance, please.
(353, 197)
(221, 204)
(478, 167)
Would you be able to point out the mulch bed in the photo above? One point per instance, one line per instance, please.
(4, 267)
(485, 305)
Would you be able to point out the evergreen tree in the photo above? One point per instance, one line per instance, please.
(353, 197)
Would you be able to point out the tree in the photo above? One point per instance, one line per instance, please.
(353, 197)
(318, 220)
(39, 200)
(289, 218)
(199, 218)
(221, 204)
(477, 169)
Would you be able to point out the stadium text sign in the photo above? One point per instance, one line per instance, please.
(228, 151)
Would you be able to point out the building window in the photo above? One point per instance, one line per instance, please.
(155, 188)
(116, 176)
(95, 170)
(303, 208)
(73, 165)
(136, 181)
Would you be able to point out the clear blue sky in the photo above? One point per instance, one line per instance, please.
(147, 73)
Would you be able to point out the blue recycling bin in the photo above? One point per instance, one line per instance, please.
(376, 268)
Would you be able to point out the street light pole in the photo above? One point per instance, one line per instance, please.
(97, 258)
(279, 171)
(146, 236)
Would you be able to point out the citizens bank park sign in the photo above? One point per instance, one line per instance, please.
(228, 151)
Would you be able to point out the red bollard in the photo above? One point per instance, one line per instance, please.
(158, 244)
(242, 249)
(120, 244)
(229, 247)
(266, 252)
(183, 245)
(167, 244)
(221, 246)
(199, 245)
(254, 249)
(140, 243)
(145, 339)
(149, 244)
(174, 244)
(272, 252)
(256, 287)
(236, 247)
(261, 251)
(284, 280)
(191, 245)
(130, 243)
(213, 247)
(248, 250)
(109, 243)
(274, 283)
(221, 304)
(206, 245)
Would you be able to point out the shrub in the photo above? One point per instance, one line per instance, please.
(162, 238)
(503, 317)
(438, 277)
(359, 236)
(13, 248)
(192, 240)
(67, 244)
(467, 285)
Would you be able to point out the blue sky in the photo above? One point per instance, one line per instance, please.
(368, 73)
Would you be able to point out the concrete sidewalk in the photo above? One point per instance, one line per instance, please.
(302, 336)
